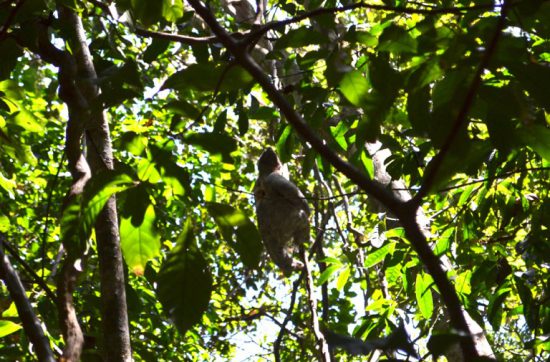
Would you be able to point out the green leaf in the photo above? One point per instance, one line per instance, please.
(80, 214)
(355, 87)
(243, 123)
(232, 222)
(184, 108)
(139, 243)
(444, 243)
(148, 12)
(4, 223)
(8, 327)
(343, 278)
(172, 10)
(100, 188)
(328, 274)
(424, 295)
(301, 37)
(133, 143)
(362, 37)
(7, 184)
(184, 283)
(175, 176)
(379, 254)
(215, 143)
(538, 138)
(205, 77)
(529, 305)
(157, 47)
(146, 171)
(395, 39)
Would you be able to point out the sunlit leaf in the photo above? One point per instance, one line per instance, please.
(139, 243)
(343, 278)
(8, 327)
(423, 294)
(328, 274)
(378, 255)
(355, 87)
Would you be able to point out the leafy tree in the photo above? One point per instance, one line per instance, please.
(418, 131)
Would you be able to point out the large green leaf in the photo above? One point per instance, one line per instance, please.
(379, 254)
(139, 243)
(184, 283)
(216, 143)
(172, 10)
(538, 138)
(423, 294)
(80, 214)
(232, 222)
(207, 77)
(355, 87)
(301, 37)
(396, 40)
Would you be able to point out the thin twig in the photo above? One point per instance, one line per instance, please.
(277, 343)
(183, 39)
(322, 345)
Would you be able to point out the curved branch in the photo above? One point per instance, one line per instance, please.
(404, 211)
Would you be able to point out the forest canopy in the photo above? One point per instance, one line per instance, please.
(417, 131)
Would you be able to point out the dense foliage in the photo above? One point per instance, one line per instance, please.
(467, 80)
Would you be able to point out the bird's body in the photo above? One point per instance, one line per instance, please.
(282, 212)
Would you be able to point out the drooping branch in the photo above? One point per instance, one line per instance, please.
(405, 212)
(31, 324)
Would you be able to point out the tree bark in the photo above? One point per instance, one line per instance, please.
(116, 336)
(31, 324)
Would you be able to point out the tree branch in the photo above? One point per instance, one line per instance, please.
(31, 324)
(113, 294)
(184, 39)
(30, 270)
(322, 345)
(9, 19)
(405, 212)
(277, 343)
(462, 117)
(363, 5)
